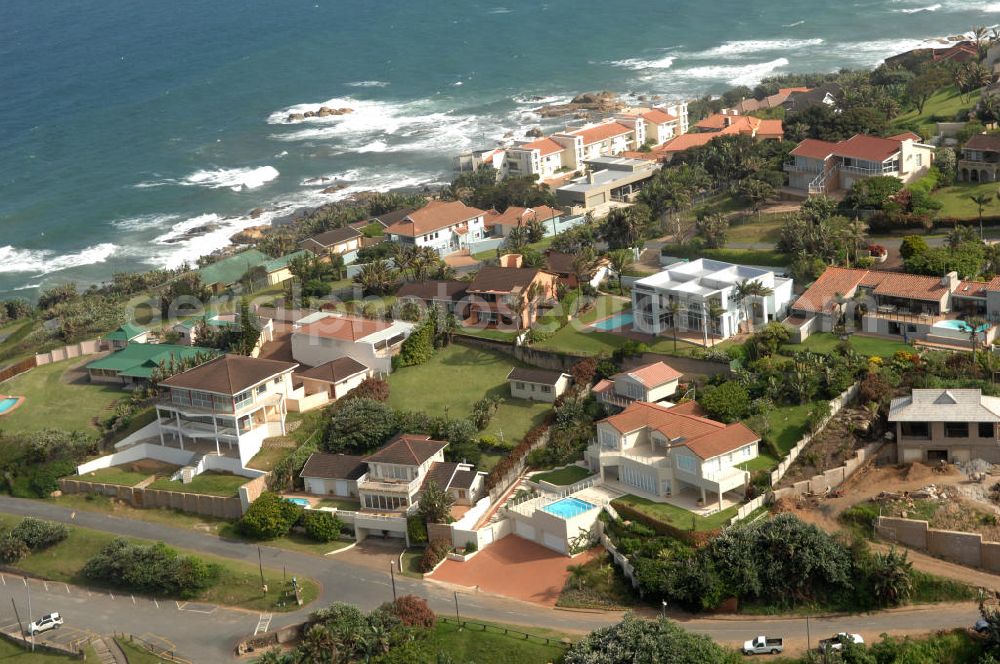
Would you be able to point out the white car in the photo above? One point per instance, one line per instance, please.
(837, 641)
(45, 623)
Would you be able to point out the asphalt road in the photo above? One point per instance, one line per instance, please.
(205, 633)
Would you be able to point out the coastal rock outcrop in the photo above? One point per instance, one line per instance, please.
(588, 102)
(333, 189)
(322, 112)
(535, 133)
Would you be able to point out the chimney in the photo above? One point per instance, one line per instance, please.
(590, 177)
(511, 260)
(951, 281)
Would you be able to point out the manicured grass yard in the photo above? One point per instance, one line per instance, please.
(491, 646)
(454, 379)
(677, 517)
(115, 475)
(761, 462)
(411, 559)
(563, 476)
(53, 403)
(944, 104)
(209, 483)
(957, 200)
(341, 504)
(136, 654)
(788, 425)
(825, 342)
(239, 583)
(765, 229)
(269, 456)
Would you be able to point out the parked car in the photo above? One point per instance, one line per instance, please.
(45, 623)
(837, 641)
(763, 645)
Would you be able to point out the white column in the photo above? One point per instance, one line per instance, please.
(215, 429)
(180, 436)
(160, 427)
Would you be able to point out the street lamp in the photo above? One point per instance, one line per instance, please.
(664, 611)
(392, 576)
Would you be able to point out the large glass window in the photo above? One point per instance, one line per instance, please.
(609, 440)
(180, 397)
(688, 463)
(201, 399)
(914, 429)
(985, 429)
(956, 429)
(243, 399)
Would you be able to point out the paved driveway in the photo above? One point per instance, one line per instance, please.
(514, 567)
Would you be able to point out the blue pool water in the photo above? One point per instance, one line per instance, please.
(298, 501)
(613, 323)
(7, 403)
(567, 508)
(960, 325)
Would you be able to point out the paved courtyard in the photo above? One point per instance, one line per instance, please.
(514, 567)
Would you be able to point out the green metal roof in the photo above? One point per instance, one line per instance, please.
(230, 270)
(208, 319)
(283, 261)
(139, 360)
(126, 332)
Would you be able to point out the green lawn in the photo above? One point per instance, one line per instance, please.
(473, 643)
(761, 462)
(15, 654)
(239, 583)
(411, 559)
(12, 335)
(454, 379)
(788, 425)
(269, 456)
(539, 246)
(825, 342)
(209, 483)
(341, 504)
(115, 475)
(136, 654)
(563, 476)
(677, 517)
(943, 106)
(957, 200)
(488, 333)
(51, 402)
(765, 229)
(741, 256)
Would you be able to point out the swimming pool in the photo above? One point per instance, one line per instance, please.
(960, 325)
(298, 501)
(613, 323)
(6, 403)
(567, 508)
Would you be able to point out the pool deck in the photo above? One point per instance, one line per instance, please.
(12, 408)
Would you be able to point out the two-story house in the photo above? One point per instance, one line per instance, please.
(500, 224)
(700, 296)
(542, 157)
(911, 306)
(606, 139)
(338, 241)
(951, 425)
(651, 383)
(231, 404)
(445, 226)
(821, 167)
(392, 479)
(323, 337)
(496, 295)
(980, 159)
(672, 453)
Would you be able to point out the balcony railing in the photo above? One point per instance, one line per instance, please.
(803, 168)
(401, 486)
(863, 170)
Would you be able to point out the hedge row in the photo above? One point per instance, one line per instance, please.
(509, 462)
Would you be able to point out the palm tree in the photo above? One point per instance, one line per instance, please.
(577, 575)
(674, 307)
(620, 259)
(583, 266)
(751, 292)
(891, 576)
(715, 311)
(403, 256)
(974, 327)
(376, 277)
(981, 201)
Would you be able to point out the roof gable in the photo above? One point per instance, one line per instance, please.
(434, 216)
(407, 450)
(229, 374)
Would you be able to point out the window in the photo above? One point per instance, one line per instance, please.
(243, 399)
(277, 380)
(687, 463)
(914, 430)
(985, 429)
(520, 385)
(609, 440)
(956, 429)
(261, 389)
(546, 388)
(201, 400)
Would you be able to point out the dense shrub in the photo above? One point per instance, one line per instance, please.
(369, 388)
(637, 640)
(37, 534)
(433, 554)
(269, 517)
(151, 568)
(12, 549)
(412, 611)
(416, 528)
(419, 346)
(360, 426)
(727, 402)
(321, 526)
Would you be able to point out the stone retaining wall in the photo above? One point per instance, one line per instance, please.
(967, 549)
(194, 503)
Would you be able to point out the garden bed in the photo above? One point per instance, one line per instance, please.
(597, 584)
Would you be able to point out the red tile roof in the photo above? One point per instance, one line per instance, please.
(602, 132)
(653, 375)
(843, 281)
(867, 148)
(771, 128)
(906, 135)
(706, 438)
(657, 116)
(812, 148)
(968, 288)
(512, 215)
(345, 328)
(544, 146)
(434, 216)
(686, 142)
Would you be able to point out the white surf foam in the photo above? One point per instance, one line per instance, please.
(638, 64)
(793, 25)
(732, 49)
(236, 179)
(143, 222)
(179, 229)
(873, 51)
(368, 84)
(733, 74)
(917, 10)
(44, 261)
(541, 100)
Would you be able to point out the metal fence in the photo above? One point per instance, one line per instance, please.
(166, 654)
(497, 629)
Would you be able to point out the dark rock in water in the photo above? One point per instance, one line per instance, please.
(295, 117)
(333, 189)
(535, 133)
(256, 212)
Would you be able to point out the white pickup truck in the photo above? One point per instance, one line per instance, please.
(763, 645)
(837, 641)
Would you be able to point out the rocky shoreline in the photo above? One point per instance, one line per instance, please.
(322, 112)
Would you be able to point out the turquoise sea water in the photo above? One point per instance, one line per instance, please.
(135, 134)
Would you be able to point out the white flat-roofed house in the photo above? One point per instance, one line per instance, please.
(664, 452)
(697, 287)
(651, 382)
(324, 337)
(608, 179)
(232, 402)
(950, 425)
(445, 226)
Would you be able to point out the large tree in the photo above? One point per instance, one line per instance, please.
(360, 426)
(636, 640)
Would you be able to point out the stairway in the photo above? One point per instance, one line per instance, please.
(108, 652)
(188, 472)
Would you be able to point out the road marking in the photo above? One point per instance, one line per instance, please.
(263, 623)
(112, 596)
(133, 600)
(46, 584)
(67, 588)
(180, 605)
(156, 603)
(4, 579)
(25, 579)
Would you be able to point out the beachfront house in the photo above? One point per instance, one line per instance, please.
(979, 160)
(538, 384)
(335, 242)
(672, 455)
(652, 382)
(946, 425)
(501, 224)
(226, 273)
(447, 294)
(136, 363)
(228, 405)
(821, 167)
(444, 226)
(564, 266)
(324, 337)
(685, 295)
(906, 306)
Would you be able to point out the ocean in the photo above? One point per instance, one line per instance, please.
(141, 134)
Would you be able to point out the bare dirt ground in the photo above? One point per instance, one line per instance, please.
(850, 429)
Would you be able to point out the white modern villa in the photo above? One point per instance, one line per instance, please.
(699, 286)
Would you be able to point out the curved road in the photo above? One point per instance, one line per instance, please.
(206, 633)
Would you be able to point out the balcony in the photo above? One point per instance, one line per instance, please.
(866, 171)
(390, 486)
(803, 167)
